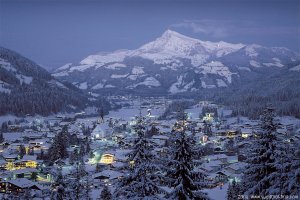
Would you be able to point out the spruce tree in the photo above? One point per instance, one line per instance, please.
(76, 185)
(105, 194)
(22, 150)
(179, 168)
(58, 149)
(4, 127)
(59, 192)
(87, 186)
(207, 128)
(186, 183)
(141, 180)
(1, 137)
(258, 174)
(294, 175)
(233, 192)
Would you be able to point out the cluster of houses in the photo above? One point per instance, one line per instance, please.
(22, 166)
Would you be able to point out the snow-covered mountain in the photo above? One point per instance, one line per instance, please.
(174, 63)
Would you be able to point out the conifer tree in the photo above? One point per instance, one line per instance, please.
(58, 149)
(186, 183)
(258, 174)
(141, 180)
(180, 174)
(1, 137)
(77, 186)
(233, 191)
(105, 194)
(59, 192)
(22, 151)
(294, 175)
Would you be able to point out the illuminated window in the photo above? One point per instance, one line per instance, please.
(107, 159)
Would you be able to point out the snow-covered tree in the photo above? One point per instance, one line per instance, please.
(58, 187)
(1, 137)
(87, 186)
(27, 194)
(98, 167)
(140, 182)
(286, 180)
(58, 149)
(77, 185)
(4, 127)
(258, 174)
(207, 128)
(185, 182)
(294, 175)
(233, 191)
(22, 150)
(105, 194)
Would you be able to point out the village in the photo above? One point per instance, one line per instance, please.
(105, 142)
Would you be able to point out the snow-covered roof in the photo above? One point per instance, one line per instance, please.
(25, 170)
(217, 156)
(8, 156)
(161, 137)
(110, 174)
(237, 166)
(246, 130)
(22, 182)
(122, 154)
(2, 162)
(29, 157)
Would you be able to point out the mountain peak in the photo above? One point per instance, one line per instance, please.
(173, 34)
(169, 32)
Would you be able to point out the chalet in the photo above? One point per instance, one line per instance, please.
(107, 158)
(10, 157)
(14, 127)
(2, 186)
(20, 185)
(236, 168)
(212, 166)
(221, 132)
(33, 135)
(121, 155)
(27, 161)
(24, 173)
(107, 176)
(246, 131)
(3, 165)
(222, 176)
(222, 157)
(160, 139)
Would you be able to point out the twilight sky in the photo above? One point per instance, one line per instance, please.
(55, 32)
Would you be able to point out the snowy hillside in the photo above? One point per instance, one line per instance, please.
(26, 88)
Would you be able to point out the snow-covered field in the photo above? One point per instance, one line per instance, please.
(217, 193)
(128, 113)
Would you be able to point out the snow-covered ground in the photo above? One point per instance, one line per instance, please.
(217, 193)
(128, 113)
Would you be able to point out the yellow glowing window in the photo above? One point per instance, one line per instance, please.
(107, 159)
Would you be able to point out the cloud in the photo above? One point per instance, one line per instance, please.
(215, 28)
(224, 28)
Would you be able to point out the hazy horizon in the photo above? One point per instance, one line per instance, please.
(53, 33)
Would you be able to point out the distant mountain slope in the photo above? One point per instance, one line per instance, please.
(174, 64)
(26, 88)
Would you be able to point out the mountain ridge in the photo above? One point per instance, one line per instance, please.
(174, 63)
